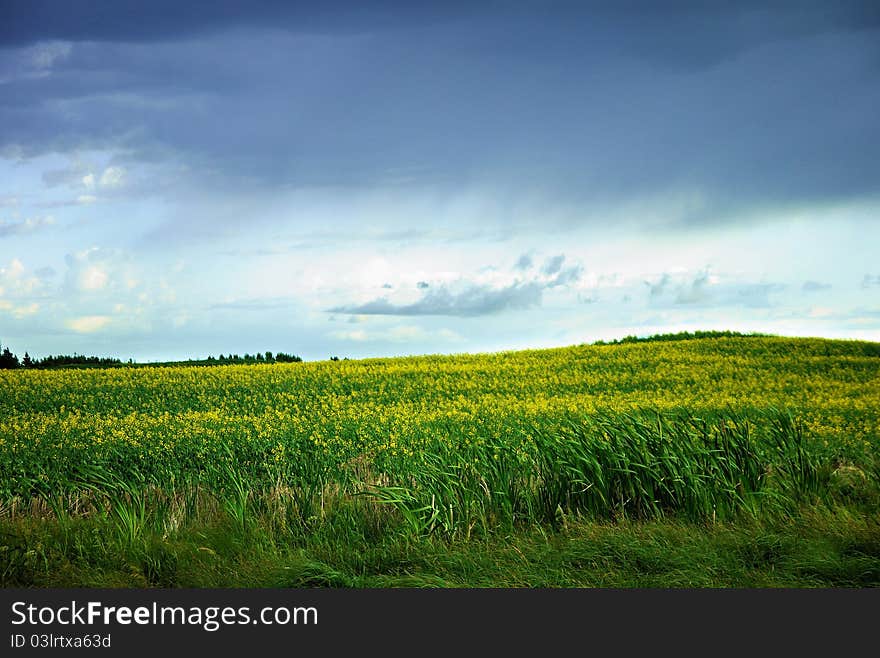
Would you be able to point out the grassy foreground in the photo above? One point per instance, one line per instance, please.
(818, 548)
(725, 461)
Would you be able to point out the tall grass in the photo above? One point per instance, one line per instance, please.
(601, 466)
(673, 468)
(612, 466)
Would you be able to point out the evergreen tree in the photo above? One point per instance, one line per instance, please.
(8, 360)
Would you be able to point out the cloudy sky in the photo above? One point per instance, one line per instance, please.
(184, 179)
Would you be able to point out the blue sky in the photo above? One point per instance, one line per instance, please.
(385, 179)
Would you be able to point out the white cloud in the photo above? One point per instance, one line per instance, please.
(406, 333)
(488, 292)
(553, 264)
(15, 269)
(42, 56)
(821, 312)
(702, 289)
(815, 286)
(15, 282)
(358, 335)
(399, 334)
(695, 291)
(93, 278)
(34, 61)
(471, 300)
(113, 177)
(96, 269)
(450, 335)
(19, 312)
(29, 225)
(524, 262)
(88, 323)
(86, 177)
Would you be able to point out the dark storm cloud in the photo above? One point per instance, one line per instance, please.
(474, 301)
(26, 21)
(702, 27)
(696, 34)
(748, 105)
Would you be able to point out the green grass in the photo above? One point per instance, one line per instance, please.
(817, 548)
(715, 461)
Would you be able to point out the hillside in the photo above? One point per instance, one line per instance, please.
(449, 448)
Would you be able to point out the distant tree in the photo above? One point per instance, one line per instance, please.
(269, 357)
(27, 361)
(8, 360)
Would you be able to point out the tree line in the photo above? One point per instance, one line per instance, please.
(268, 357)
(681, 335)
(9, 361)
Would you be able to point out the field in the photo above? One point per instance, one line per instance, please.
(737, 461)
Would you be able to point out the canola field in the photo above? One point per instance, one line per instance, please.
(709, 427)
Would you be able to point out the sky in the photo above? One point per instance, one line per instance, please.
(381, 179)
